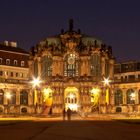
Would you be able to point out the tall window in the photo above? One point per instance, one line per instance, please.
(1, 96)
(23, 97)
(106, 68)
(12, 100)
(71, 65)
(36, 68)
(46, 66)
(7, 61)
(118, 97)
(22, 63)
(130, 96)
(95, 65)
(15, 62)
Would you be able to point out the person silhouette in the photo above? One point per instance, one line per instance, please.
(69, 114)
(64, 113)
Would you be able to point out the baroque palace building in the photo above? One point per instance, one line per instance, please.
(68, 70)
(72, 66)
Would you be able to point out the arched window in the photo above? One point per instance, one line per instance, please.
(46, 66)
(12, 99)
(22, 63)
(1, 96)
(7, 61)
(95, 65)
(15, 62)
(71, 65)
(118, 97)
(130, 94)
(23, 97)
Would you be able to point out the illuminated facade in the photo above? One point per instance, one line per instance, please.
(14, 90)
(71, 64)
(69, 70)
(127, 87)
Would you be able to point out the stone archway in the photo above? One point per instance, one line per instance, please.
(71, 98)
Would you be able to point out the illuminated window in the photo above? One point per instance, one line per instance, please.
(118, 97)
(95, 65)
(7, 61)
(22, 63)
(36, 68)
(47, 66)
(71, 65)
(20, 74)
(23, 97)
(12, 99)
(15, 62)
(130, 96)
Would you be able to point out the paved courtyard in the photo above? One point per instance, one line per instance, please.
(93, 128)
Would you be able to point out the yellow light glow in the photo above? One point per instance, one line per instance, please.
(95, 94)
(8, 95)
(72, 107)
(36, 82)
(47, 96)
(71, 96)
(106, 81)
(95, 91)
(132, 96)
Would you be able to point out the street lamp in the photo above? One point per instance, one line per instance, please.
(8, 96)
(36, 83)
(106, 82)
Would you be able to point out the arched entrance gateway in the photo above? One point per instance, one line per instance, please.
(71, 98)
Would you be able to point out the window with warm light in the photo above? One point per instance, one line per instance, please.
(22, 63)
(130, 96)
(23, 97)
(71, 65)
(15, 62)
(7, 61)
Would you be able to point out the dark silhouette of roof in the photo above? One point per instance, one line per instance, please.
(12, 49)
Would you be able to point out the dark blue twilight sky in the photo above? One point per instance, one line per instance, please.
(116, 22)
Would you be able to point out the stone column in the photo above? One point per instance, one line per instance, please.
(124, 96)
(111, 68)
(103, 66)
(31, 69)
(30, 97)
(136, 96)
(5, 98)
(39, 67)
(18, 97)
(111, 96)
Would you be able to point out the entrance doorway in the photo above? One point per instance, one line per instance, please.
(71, 98)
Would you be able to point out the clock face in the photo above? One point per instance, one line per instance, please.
(71, 60)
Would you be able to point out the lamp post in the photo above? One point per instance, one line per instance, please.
(36, 83)
(8, 96)
(106, 82)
